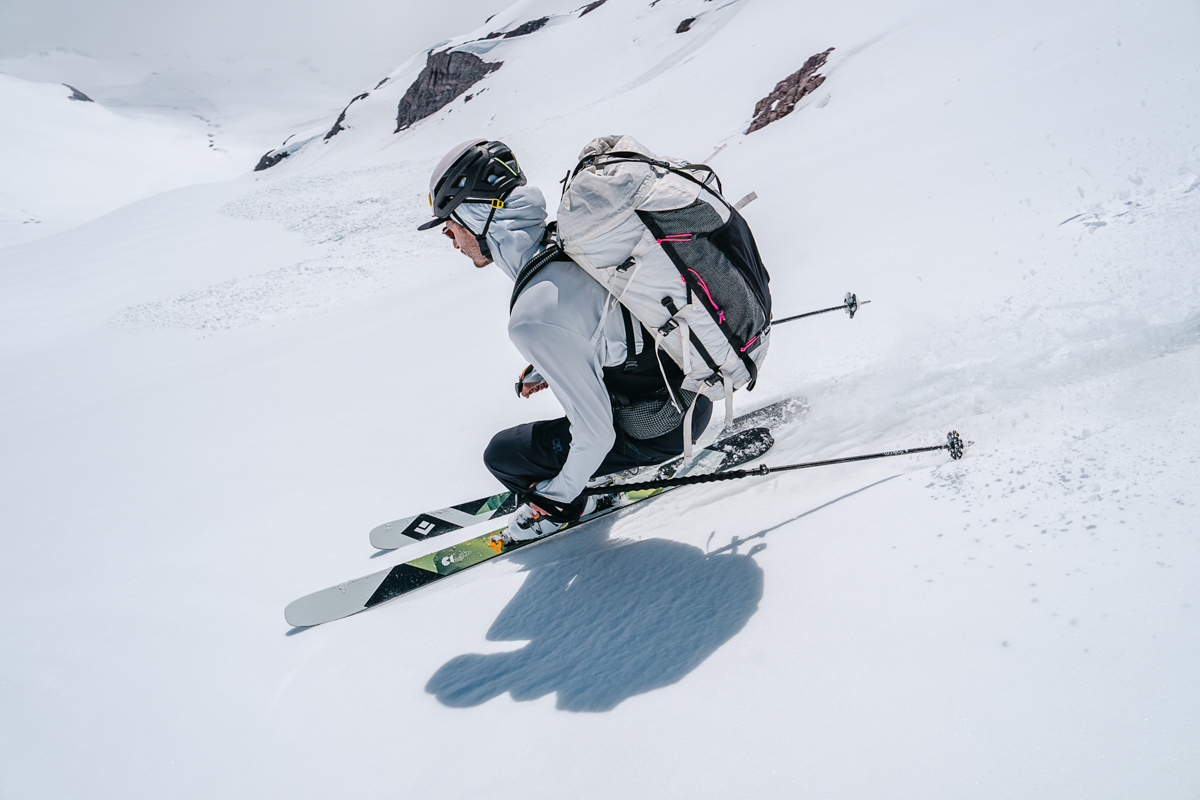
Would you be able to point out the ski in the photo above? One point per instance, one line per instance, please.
(426, 525)
(360, 594)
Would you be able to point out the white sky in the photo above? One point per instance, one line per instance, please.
(352, 38)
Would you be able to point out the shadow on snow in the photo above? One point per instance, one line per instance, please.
(613, 622)
(608, 625)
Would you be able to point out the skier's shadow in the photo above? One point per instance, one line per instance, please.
(604, 626)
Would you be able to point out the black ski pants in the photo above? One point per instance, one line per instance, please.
(530, 453)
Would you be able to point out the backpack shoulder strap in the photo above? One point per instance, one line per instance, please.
(552, 253)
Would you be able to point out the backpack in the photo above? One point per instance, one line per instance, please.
(667, 246)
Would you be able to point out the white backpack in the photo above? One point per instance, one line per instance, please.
(667, 246)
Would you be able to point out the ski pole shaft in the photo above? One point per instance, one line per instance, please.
(814, 313)
(851, 304)
(953, 443)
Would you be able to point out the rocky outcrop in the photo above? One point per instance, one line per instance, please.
(273, 157)
(521, 30)
(337, 126)
(686, 25)
(446, 75)
(270, 159)
(78, 95)
(527, 27)
(782, 100)
(590, 7)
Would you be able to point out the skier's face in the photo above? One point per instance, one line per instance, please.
(465, 241)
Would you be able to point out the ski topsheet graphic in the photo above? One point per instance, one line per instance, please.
(418, 528)
(360, 594)
(391, 535)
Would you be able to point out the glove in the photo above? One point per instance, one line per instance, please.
(528, 524)
(556, 510)
(530, 382)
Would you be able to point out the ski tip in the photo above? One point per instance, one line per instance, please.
(296, 620)
(389, 536)
(336, 602)
(303, 614)
(381, 535)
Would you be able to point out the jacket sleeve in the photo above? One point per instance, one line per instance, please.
(570, 363)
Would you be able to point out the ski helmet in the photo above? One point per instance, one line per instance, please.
(477, 171)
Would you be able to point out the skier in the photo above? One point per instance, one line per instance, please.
(600, 363)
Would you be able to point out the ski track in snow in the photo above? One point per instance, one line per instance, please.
(1135, 305)
(1086, 477)
(359, 217)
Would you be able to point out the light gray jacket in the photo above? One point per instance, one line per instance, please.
(554, 325)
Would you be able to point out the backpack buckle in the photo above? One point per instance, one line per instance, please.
(671, 323)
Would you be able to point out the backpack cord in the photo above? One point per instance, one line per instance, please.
(612, 299)
(613, 157)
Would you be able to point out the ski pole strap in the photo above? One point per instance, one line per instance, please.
(954, 444)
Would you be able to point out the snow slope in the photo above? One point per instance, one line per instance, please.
(154, 124)
(213, 394)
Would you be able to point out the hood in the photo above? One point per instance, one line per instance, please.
(516, 232)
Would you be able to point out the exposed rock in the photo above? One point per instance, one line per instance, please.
(446, 75)
(782, 101)
(527, 27)
(337, 126)
(78, 95)
(686, 25)
(271, 158)
(382, 82)
(522, 29)
(590, 7)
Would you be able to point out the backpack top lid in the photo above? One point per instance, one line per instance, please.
(597, 217)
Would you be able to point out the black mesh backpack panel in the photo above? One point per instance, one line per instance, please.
(735, 240)
(720, 265)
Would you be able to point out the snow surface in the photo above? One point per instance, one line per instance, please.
(154, 124)
(210, 396)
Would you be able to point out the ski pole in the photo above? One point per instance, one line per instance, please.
(851, 305)
(954, 444)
